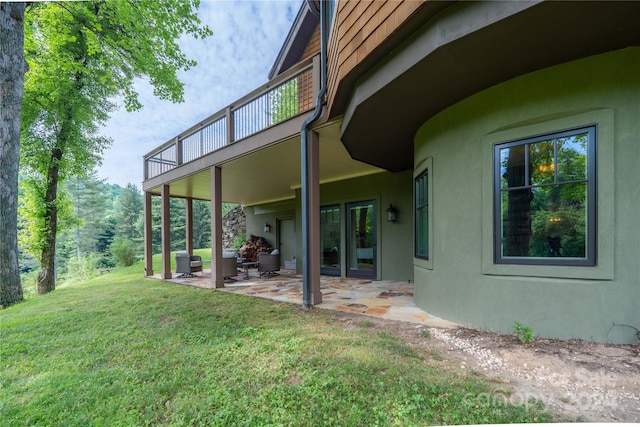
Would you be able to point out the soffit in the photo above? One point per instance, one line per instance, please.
(468, 48)
(296, 42)
(272, 173)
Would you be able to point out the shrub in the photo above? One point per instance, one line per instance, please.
(239, 242)
(29, 283)
(523, 333)
(123, 251)
(83, 268)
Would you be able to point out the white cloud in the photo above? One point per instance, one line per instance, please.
(247, 36)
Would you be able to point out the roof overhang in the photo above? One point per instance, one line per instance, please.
(297, 39)
(467, 48)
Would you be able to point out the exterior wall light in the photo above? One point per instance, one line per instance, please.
(267, 227)
(392, 214)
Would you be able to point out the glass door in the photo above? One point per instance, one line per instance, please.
(361, 239)
(287, 239)
(330, 240)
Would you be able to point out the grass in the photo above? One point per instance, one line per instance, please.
(123, 350)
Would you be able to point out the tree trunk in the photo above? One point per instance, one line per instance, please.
(12, 68)
(517, 224)
(362, 228)
(78, 251)
(47, 276)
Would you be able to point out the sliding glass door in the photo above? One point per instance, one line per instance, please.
(330, 220)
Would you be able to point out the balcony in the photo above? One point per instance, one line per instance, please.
(283, 98)
(256, 143)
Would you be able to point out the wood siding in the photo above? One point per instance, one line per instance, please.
(313, 47)
(358, 29)
(305, 91)
(306, 97)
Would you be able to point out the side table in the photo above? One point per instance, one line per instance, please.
(246, 266)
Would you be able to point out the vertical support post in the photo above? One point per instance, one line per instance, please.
(148, 234)
(189, 225)
(313, 215)
(166, 233)
(179, 156)
(230, 126)
(310, 164)
(217, 277)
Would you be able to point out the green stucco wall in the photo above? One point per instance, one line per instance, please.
(258, 216)
(395, 241)
(463, 284)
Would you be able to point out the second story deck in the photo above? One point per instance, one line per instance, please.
(284, 97)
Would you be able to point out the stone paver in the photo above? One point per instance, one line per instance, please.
(383, 299)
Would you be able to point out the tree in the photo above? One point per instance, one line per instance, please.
(284, 101)
(177, 216)
(129, 206)
(90, 203)
(90, 231)
(178, 220)
(32, 215)
(12, 68)
(202, 223)
(82, 55)
(129, 225)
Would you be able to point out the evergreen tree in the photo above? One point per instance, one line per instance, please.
(178, 214)
(91, 205)
(129, 210)
(201, 224)
(90, 234)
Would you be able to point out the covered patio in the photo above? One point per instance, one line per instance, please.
(249, 153)
(383, 299)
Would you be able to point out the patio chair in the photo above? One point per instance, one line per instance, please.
(268, 264)
(188, 264)
(229, 268)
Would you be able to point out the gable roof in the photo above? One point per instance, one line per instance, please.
(298, 38)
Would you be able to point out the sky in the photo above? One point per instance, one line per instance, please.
(247, 36)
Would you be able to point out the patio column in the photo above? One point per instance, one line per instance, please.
(311, 223)
(166, 233)
(148, 234)
(216, 228)
(189, 225)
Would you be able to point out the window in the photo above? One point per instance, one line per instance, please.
(544, 199)
(422, 215)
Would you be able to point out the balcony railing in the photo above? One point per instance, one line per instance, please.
(282, 98)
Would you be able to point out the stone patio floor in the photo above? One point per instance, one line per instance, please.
(383, 299)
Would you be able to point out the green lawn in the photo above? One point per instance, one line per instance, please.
(124, 350)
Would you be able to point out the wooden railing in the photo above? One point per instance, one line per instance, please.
(280, 99)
